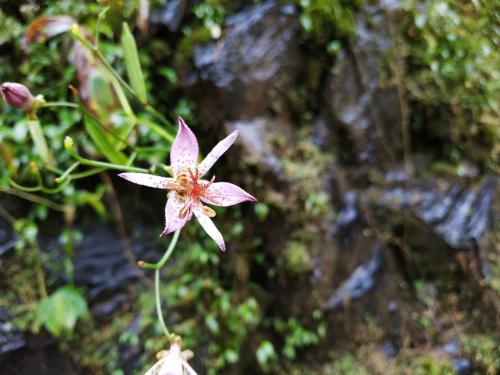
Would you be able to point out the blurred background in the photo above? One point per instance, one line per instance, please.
(369, 132)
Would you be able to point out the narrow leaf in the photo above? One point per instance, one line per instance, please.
(132, 64)
(102, 144)
(39, 141)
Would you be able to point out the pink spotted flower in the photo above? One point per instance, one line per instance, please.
(188, 190)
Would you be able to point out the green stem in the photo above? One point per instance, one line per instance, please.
(164, 258)
(67, 172)
(109, 67)
(59, 104)
(87, 173)
(34, 198)
(102, 15)
(39, 272)
(28, 189)
(157, 267)
(158, 304)
(68, 144)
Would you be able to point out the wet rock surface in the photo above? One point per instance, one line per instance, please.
(10, 338)
(105, 269)
(368, 110)
(360, 282)
(253, 64)
(457, 216)
(170, 15)
(7, 239)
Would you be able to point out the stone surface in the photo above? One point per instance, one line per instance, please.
(170, 15)
(253, 64)
(458, 216)
(359, 101)
(360, 282)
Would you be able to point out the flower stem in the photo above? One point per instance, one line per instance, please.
(158, 304)
(33, 198)
(157, 267)
(164, 258)
(59, 104)
(68, 145)
(42, 289)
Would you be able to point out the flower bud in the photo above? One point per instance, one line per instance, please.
(68, 143)
(16, 95)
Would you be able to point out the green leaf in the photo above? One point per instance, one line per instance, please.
(132, 64)
(59, 312)
(103, 144)
(39, 141)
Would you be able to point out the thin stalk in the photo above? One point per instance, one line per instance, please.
(59, 104)
(28, 189)
(68, 144)
(67, 172)
(158, 304)
(87, 173)
(100, 18)
(39, 272)
(7, 216)
(164, 258)
(34, 198)
(157, 267)
(109, 67)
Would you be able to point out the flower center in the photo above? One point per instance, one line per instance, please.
(190, 186)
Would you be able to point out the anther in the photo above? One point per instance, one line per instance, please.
(207, 211)
(181, 194)
(184, 211)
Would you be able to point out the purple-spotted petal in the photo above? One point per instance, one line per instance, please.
(173, 221)
(184, 151)
(216, 153)
(226, 194)
(209, 227)
(148, 180)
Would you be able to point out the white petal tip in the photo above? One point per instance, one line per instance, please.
(181, 121)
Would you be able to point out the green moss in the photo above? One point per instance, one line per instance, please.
(484, 351)
(297, 257)
(451, 58)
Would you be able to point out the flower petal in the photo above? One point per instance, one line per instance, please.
(226, 194)
(184, 151)
(148, 180)
(172, 365)
(209, 227)
(217, 152)
(173, 220)
(155, 369)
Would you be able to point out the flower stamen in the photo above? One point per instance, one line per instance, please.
(184, 211)
(207, 211)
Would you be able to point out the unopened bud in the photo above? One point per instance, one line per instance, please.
(34, 168)
(140, 264)
(16, 95)
(68, 143)
(75, 30)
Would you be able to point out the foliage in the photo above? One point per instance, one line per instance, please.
(214, 303)
(484, 351)
(323, 18)
(452, 65)
(59, 312)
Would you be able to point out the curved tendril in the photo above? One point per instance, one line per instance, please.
(28, 189)
(67, 172)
